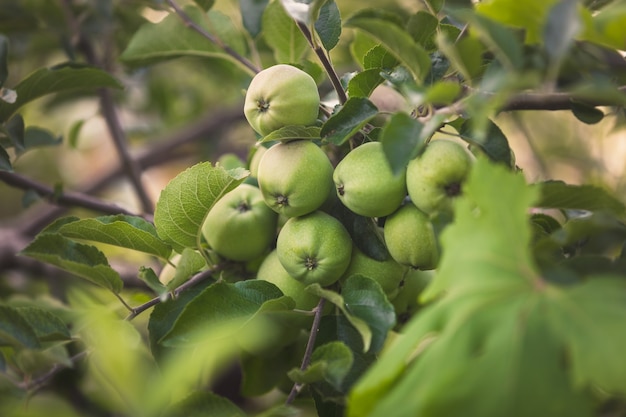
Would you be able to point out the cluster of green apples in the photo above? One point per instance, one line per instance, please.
(286, 218)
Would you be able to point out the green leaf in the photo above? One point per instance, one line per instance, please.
(47, 326)
(205, 4)
(252, 14)
(151, 279)
(493, 142)
(558, 194)
(363, 83)
(422, 27)
(190, 263)
(35, 137)
(170, 38)
(86, 261)
(328, 25)
(350, 118)
(292, 132)
(561, 29)
(586, 113)
(15, 329)
(282, 34)
(330, 362)
(4, 55)
(385, 29)
(403, 138)
(60, 78)
(5, 161)
(15, 131)
(379, 58)
(465, 56)
(204, 403)
(74, 133)
(128, 232)
(186, 200)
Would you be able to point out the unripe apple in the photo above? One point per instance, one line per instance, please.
(281, 95)
(365, 183)
(407, 301)
(436, 176)
(315, 248)
(295, 177)
(410, 238)
(389, 273)
(272, 270)
(240, 226)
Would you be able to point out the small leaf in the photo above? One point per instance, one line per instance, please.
(558, 194)
(354, 114)
(151, 279)
(586, 113)
(252, 14)
(46, 325)
(74, 133)
(204, 404)
(422, 27)
(15, 329)
(386, 29)
(205, 4)
(5, 161)
(186, 200)
(282, 34)
(379, 58)
(120, 230)
(363, 83)
(562, 26)
(330, 362)
(292, 133)
(493, 143)
(328, 25)
(465, 56)
(36, 137)
(83, 260)
(15, 131)
(190, 263)
(60, 78)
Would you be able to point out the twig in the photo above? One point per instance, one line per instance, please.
(72, 199)
(196, 279)
(38, 383)
(306, 360)
(214, 39)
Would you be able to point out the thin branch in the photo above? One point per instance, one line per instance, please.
(72, 199)
(306, 360)
(325, 60)
(38, 383)
(212, 38)
(196, 279)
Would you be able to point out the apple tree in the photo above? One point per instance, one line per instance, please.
(312, 208)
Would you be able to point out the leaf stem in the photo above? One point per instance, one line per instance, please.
(212, 38)
(306, 360)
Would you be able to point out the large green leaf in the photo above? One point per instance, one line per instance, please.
(15, 329)
(187, 199)
(395, 38)
(492, 342)
(60, 78)
(328, 25)
(124, 231)
(558, 194)
(282, 34)
(85, 261)
(46, 325)
(171, 38)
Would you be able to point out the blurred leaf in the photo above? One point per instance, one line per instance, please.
(170, 38)
(263, 373)
(74, 133)
(330, 362)
(562, 26)
(493, 142)
(205, 4)
(4, 55)
(422, 27)
(5, 160)
(36, 137)
(328, 25)
(202, 404)
(47, 326)
(350, 118)
(86, 261)
(558, 194)
(128, 232)
(363, 83)
(15, 329)
(385, 28)
(436, 5)
(364, 231)
(190, 263)
(282, 34)
(252, 14)
(293, 132)
(586, 113)
(403, 138)
(60, 78)
(15, 131)
(186, 200)
(607, 27)
(379, 58)
(466, 55)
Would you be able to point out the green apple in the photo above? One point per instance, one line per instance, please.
(365, 183)
(272, 270)
(315, 248)
(295, 177)
(407, 301)
(389, 273)
(281, 95)
(255, 158)
(436, 176)
(410, 238)
(240, 226)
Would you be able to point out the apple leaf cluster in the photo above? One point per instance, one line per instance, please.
(379, 252)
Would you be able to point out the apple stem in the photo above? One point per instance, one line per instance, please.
(306, 360)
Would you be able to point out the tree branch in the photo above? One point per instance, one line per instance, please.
(212, 38)
(72, 199)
